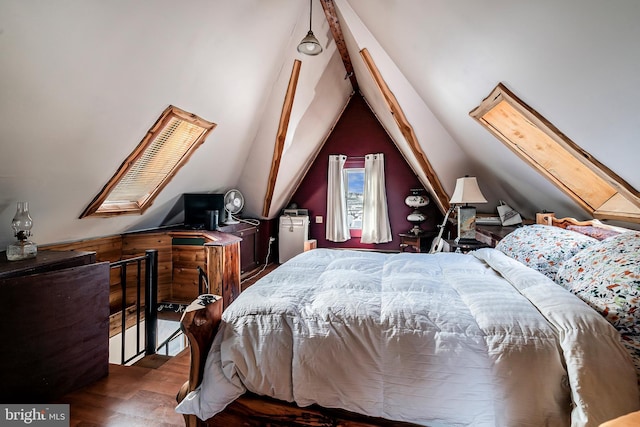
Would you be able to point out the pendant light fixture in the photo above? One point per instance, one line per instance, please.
(310, 44)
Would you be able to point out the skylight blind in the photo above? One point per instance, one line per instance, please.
(156, 162)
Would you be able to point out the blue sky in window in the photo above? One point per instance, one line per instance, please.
(356, 181)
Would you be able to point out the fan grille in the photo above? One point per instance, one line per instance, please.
(233, 201)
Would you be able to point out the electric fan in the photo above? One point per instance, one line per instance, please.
(233, 204)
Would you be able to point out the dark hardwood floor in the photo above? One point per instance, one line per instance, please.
(132, 396)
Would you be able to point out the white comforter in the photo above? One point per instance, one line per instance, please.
(439, 340)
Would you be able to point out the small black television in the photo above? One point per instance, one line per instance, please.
(196, 206)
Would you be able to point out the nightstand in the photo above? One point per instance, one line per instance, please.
(492, 234)
(418, 242)
(450, 245)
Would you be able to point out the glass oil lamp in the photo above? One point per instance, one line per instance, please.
(416, 201)
(23, 248)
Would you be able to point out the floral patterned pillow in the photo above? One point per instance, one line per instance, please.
(607, 277)
(543, 247)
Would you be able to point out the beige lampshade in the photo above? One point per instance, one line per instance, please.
(467, 191)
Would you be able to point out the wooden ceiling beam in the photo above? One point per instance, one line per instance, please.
(437, 190)
(283, 126)
(338, 37)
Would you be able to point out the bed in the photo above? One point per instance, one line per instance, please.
(512, 336)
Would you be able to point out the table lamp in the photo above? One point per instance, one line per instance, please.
(416, 201)
(466, 191)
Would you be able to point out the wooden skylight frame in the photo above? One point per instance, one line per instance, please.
(595, 187)
(165, 148)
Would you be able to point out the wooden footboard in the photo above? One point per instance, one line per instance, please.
(200, 323)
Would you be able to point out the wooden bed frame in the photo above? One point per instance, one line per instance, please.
(251, 410)
(549, 218)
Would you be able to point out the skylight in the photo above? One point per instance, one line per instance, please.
(535, 140)
(162, 152)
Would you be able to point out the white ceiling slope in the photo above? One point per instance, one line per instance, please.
(576, 62)
(81, 81)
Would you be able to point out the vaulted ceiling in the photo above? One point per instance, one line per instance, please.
(81, 81)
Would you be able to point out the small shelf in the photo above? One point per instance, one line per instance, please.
(417, 242)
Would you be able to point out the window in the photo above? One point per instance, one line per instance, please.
(162, 152)
(535, 140)
(354, 179)
(357, 199)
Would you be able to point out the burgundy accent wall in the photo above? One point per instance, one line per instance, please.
(358, 133)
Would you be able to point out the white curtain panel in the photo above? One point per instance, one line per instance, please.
(337, 226)
(375, 216)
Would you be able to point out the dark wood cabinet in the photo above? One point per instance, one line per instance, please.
(56, 325)
(249, 246)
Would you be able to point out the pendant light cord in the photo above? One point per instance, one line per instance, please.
(310, 44)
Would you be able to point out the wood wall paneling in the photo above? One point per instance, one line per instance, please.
(186, 259)
(136, 244)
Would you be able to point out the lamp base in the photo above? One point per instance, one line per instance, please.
(466, 223)
(20, 250)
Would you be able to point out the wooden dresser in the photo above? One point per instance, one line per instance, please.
(56, 325)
